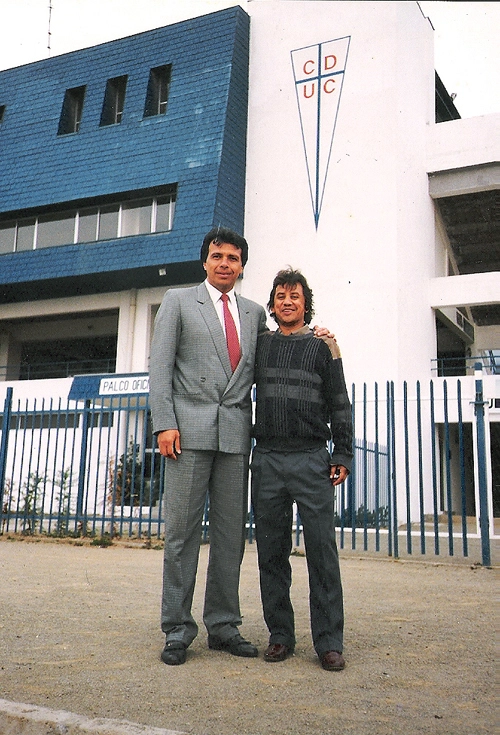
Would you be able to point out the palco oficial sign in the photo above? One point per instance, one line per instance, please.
(319, 76)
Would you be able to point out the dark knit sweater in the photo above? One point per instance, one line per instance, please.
(302, 400)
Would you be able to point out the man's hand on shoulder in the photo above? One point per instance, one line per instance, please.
(169, 443)
(323, 332)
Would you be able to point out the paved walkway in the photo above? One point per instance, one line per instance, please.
(79, 638)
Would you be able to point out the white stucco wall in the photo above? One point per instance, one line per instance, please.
(372, 254)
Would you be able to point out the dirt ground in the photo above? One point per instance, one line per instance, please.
(79, 632)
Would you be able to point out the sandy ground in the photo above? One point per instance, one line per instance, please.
(79, 632)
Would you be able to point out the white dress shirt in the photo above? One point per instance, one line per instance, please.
(215, 295)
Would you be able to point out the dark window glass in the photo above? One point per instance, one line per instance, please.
(2, 112)
(114, 100)
(157, 92)
(71, 113)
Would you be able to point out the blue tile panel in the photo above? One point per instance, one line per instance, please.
(199, 144)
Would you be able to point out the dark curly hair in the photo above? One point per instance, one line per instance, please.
(218, 235)
(290, 278)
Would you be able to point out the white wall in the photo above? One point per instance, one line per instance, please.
(373, 252)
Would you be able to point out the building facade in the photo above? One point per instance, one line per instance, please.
(309, 126)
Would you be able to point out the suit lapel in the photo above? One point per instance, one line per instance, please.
(214, 327)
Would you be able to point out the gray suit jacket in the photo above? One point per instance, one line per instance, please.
(192, 388)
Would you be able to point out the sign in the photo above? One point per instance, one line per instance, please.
(89, 387)
(319, 75)
(125, 385)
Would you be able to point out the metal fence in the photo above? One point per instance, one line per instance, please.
(420, 484)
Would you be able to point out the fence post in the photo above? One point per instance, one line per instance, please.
(5, 443)
(484, 523)
(83, 461)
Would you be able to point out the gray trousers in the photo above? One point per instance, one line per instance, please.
(278, 479)
(187, 481)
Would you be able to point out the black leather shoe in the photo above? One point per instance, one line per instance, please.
(236, 645)
(332, 661)
(174, 653)
(277, 652)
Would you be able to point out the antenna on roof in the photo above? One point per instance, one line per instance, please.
(49, 34)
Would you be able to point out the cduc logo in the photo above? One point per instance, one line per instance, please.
(319, 75)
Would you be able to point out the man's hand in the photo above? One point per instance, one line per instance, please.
(169, 443)
(323, 332)
(338, 474)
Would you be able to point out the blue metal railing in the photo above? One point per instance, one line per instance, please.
(466, 365)
(91, 468)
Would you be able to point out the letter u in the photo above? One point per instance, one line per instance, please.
(308, 96)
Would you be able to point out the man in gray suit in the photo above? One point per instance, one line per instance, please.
(201, 374)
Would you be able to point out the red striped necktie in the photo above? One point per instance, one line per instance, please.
(233, 343)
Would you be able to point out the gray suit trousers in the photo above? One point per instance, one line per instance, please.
(187, 481)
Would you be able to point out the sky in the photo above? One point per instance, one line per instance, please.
(467, 51)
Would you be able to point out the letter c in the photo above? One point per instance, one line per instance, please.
(332, 88)
(309, 61)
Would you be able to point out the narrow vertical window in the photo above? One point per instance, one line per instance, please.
(108, 222)
(114, 100)
(25, 239)
(7, 237)
(164, 213)
(157, 92)
(87, 225)
(71, 113)
(2, 112)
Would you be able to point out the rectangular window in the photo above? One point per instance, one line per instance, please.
(108, 222)
(7, 237)
(26, 234)
(118, 217)
(157, 92)
(71, 113)
(136, 218)
(164, 213)
(55, 229)
(2, 112)
(114, 100)
(87, 225)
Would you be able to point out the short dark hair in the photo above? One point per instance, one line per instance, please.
(218, 235)
(290, 278)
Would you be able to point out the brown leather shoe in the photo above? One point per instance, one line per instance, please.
(277, 652)
(332, 661)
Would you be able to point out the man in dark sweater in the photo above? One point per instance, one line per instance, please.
(301, 403)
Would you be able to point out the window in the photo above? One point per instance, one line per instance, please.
(106, 221)
(164, 214)
(26, 234)
(7, 237)
(114, 100)
(87, 220)
(71, 113)
(2, 112)
(157, 92)
(136, 218)
(55, 229)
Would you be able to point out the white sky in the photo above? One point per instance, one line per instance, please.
(467, 49)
